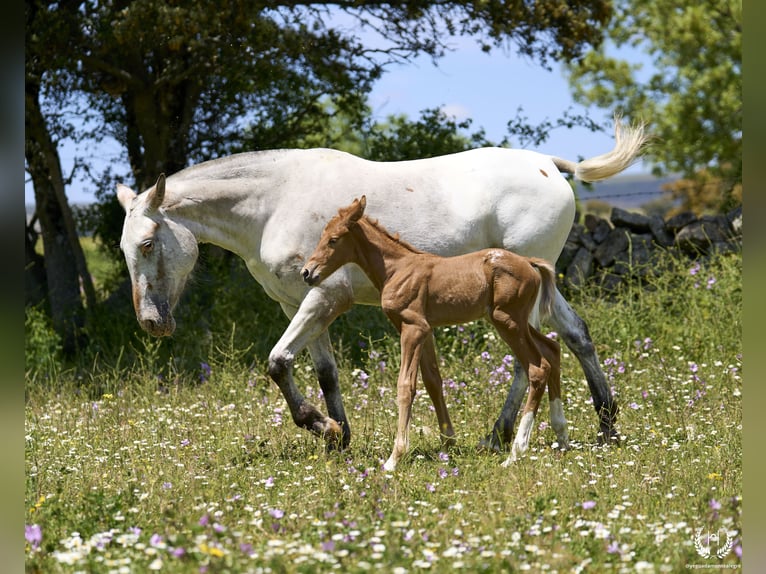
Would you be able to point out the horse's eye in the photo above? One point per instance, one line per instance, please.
(333, 241)
(146, 247)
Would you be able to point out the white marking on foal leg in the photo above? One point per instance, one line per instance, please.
(559, 423)
(521, 443)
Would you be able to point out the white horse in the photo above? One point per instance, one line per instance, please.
(270, 208)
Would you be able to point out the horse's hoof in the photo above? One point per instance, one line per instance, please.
(610, 437)
(448, 442)
(491, 445)
(332, 433)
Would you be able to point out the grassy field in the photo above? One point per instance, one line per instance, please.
(141, 467)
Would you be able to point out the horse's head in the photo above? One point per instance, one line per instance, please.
(160, 254)
(336, 245)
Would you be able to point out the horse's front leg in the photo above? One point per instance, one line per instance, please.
(429, 369)
(309, 322)
(327, 372)
(574, 332)
(412, 348)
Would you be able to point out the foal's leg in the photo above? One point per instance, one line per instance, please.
(514, 330)
(574, 332)
(429, 369)
(309, 322)
(412, 338)
(502, 431)
(539, 370)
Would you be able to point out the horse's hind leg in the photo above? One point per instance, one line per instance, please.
(502, 431)
(574, 332)
(308, 323)
(552, 352)
(432, 379)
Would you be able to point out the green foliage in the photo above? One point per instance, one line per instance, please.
(137, 471)
(693, 101)
(433, 134)
(42, 349)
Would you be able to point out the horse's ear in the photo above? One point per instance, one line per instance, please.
(359, 205)
(125, 196)
(157, 195)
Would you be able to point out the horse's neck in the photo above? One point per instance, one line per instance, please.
(216, 217)
(379, 254)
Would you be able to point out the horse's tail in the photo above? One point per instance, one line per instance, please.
(547, 286)
(630, 142)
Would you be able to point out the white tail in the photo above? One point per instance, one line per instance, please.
(629, 143)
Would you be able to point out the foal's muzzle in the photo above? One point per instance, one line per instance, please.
(309, 277)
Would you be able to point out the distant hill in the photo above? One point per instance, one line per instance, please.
(627, 191)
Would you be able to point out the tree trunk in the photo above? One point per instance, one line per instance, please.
(64, 259)
(35, 284)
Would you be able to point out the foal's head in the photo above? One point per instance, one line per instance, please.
(336, 246)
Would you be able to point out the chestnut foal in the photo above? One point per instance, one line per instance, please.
(420, 291)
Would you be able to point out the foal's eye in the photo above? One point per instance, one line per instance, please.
(333, 241)
(146, 247)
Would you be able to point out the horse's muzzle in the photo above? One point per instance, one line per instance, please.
(159, 328)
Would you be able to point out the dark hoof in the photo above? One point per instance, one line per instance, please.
(492, 445)
(608, 437)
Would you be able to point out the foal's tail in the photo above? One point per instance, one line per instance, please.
(630, 142)
(547, 285)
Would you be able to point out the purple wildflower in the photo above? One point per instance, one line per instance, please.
(246, 548)
(328, 545)
(714, 504)
(33, 534)
(588, 504)
(205, 371)
(277, 513)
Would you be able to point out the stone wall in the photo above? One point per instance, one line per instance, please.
(625, 246)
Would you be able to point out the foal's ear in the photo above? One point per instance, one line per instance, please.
(358, 206)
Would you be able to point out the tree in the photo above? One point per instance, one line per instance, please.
(177, 82)
(693, 101)
(61, 280)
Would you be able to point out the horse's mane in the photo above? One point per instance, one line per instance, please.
(393, 236)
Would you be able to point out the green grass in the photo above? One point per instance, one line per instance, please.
(145, 466)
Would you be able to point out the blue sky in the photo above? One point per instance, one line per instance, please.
(468, 83)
